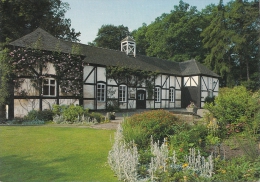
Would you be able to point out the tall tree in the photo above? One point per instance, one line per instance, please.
(231, 39)
(19, 18)
(174, 36)
(110, 36)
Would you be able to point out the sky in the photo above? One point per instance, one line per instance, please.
(87, 16)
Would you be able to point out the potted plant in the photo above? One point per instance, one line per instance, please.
(192, 107)
(111, 115)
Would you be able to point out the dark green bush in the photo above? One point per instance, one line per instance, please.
(45, 115)
(99, 117)
(157, 123)
(33, 115)
(210, 99)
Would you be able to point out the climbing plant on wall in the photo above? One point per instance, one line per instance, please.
(133, 77)
(34, 64)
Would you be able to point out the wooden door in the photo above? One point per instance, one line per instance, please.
(141, 99)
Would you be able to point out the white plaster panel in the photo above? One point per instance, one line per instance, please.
(216, 84)
(178, 82)
(204, 94)
(111, 92)
(202, 104)
(157, 105)
(149, 104)
(186, 81)
(26, 85)
(88, 104)
(47, 103)
(131, 104)
(178, 104)
(49, 69)
(111, 81)
(171, 105)
(23, 106)
(123, 105)
(101, 105)
(164, 94)
(101, 74)
(131, 93)
(210, 82)
(69, 101)
(165, 81)
(158, 80)
(204, 81)
(177, 94)
(194, 81)
(172, 81)
(88, 91)
(87, 70)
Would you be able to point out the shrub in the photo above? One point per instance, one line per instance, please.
(156, 123)
(99, 117)
(45, 115)
(59, 109)
(234, 105)
(72, 113)
(33, 115)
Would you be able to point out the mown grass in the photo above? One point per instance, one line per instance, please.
(46, 153)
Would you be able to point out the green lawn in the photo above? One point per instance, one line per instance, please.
(47, 153)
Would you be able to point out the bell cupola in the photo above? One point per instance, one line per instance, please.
(128, 46)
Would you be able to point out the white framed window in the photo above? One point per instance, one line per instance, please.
(157, 94)
(171, 94)
(122, 93)
(49, 87)
(101, 92)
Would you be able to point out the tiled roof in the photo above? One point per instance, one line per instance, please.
(40, 39)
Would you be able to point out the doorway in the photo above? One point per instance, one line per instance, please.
(141, 99)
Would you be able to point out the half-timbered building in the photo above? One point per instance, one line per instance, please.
(52, 71)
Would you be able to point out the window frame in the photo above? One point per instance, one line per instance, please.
(172, 94)
(49, 85)
(157, 94)
(101, 92)
(122, 93)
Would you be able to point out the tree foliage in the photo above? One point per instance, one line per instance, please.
(174, 36)
(231, 39)
(19, 18)
(5, 70)
(110, 36)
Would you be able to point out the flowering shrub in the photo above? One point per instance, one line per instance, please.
(164, 166)
(140, 127)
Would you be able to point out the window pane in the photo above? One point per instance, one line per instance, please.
(45, 82)
(101, 92)
(52, 90)
(45, 90)
(52, 82)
